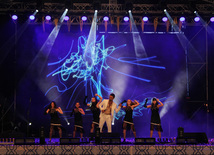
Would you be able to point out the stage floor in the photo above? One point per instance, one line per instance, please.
(125, 148)
(107, 149)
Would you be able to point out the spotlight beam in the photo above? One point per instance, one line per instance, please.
(43, 54)
(206, 26)
(181, 80)
(89, 53)
(9, 45)
(138, 44)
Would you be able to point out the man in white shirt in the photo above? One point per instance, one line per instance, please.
(107, 107)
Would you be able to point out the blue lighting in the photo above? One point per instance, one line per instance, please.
(88, 71)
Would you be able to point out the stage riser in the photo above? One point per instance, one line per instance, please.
(107, 149)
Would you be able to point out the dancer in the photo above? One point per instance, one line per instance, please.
(155, 117)
(78, 112)
(94, 106)
(128, 120)
(107, 107)
(55, 120)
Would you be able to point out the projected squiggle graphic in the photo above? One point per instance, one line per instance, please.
(87, 70)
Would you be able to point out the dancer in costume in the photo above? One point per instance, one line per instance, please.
(155, 117)
(53, 110)
(78, 112)
(128, 120)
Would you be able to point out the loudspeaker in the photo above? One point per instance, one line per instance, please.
(200, 137)
(110, 138)
(110, 141)
(69, 141)
(42, 136)
(24, 141)
(19, 141)
(184, 141)
(29, 141)
(180, 132)
(145, 141)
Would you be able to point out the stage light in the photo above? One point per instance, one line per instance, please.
(126, 19)
(48, 17)
(84, 18)
(96, 11)
(212, 19)
(31, 17)
(66, 18)
(182, 19)
(164, 10)
(68, 123)
(106, 18)
(164, 19)
(145, 19)
(196, 19)
(30, 124)
(66, 9)
(37, 10)
(14, 17)
(195, 11)
(130, 11)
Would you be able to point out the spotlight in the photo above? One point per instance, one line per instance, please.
(145, 19)
(14, 17)
(164, 10)
(195, 11)
(130, 11)
(84, 18)
(164, 19)
(182, 19)
(96, 11)
(212, 19)
(48, 17)
(106, 18)
(31, 17)
(30, 124)
(37, 10)
(66, 18)
(126, 19)
(196, 19)
(66, 9)
(68, 123)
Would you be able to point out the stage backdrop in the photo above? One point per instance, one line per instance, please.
(61, 66)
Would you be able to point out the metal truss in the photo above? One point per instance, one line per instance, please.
(112, 8)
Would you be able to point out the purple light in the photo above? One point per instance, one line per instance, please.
(31, 17)
(145, 19)
(126, 19)
(105, 18)
(66, 18)
(182, 19)
(212, 19)
(84, 18)
(196, 19)
(48, 17)
(14, 17)
(164, 19)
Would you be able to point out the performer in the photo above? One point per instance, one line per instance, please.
(55, 120)
(128, 120)
(94, 106)
(78, 112)
(107, 107)
(155, 117)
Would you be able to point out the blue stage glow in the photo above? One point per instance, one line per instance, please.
(88, 71)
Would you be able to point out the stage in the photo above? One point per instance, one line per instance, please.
(54, 147)
(107, 149)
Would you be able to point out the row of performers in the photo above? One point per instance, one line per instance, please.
(103, 112)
